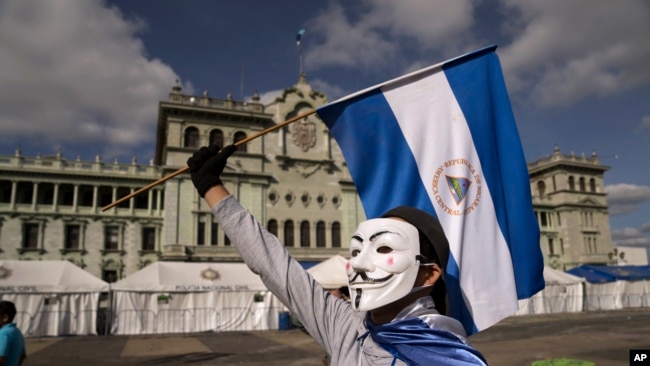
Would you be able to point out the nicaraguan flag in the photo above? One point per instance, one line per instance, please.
(444, 139)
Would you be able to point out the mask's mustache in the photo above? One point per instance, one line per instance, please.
(366, 279)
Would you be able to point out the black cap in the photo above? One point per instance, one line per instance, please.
(428, 225)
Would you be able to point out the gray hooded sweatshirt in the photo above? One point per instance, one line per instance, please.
(329, 320)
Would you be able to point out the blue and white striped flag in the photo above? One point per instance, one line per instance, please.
(444, 139)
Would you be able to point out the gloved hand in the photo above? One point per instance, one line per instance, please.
(207, 164)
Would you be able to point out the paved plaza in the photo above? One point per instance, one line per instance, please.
(603, 338)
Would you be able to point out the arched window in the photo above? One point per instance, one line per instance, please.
(272, 227)
(191, 137)
(288, 233)
(239, 135)
(336, 235)
(582, 184)
(572, 184)
(320, 234)
(541, 188)
(304, 234)
(216, 138)
(592, 185)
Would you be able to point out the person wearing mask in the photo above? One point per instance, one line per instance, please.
(396, 313)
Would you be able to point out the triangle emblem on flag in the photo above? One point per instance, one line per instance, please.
(458, 187)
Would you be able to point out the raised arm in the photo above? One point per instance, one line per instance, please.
(266, 256)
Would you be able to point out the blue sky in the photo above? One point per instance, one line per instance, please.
(86, 76)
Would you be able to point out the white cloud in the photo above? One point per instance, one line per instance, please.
(564, 51)
(344, 43)
(76, 71)
(625, 198)
(430, 23)
(332, 92)
(269, 96)
(555, 53)
(645, 122)
(630, 236)
(645, 228)
(376, 37)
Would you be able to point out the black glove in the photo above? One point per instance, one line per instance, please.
(207, 164)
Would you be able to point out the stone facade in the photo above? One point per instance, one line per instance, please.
(293, 179)
(51, 209)
(571, 207)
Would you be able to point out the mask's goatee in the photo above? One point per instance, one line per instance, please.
(357, 300)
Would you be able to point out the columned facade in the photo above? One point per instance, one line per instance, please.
(51, 209)
(571, 208)
(292, 179)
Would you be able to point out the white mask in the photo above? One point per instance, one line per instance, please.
(383, 265)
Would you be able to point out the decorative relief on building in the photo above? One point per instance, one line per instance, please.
(273, 196)
(290, 198)
(304, 134)
(305, 198)
(210, 274)
(4, 272)
(336, 200)
(305, 168)
(321, 199)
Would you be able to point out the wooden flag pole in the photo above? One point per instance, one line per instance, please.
(186, 168)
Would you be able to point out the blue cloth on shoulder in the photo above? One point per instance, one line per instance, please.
(414, 342)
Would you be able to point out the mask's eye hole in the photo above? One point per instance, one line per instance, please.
(384, 249)
(355, 252)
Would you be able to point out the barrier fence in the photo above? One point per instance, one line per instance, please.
(614, 302)
(174, 321)
(170, 321)
(59, 322)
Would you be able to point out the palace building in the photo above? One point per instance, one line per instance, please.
(293, 179)
(571, 207)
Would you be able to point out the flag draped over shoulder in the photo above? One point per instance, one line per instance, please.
(444, 139)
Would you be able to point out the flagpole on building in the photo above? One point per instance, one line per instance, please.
(301, 32)
(300, 57)
(186, 168)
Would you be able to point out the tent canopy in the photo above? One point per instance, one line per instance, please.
(191, 277)
(47, 277)
(553, 276)
(600, 274)
(330, 273)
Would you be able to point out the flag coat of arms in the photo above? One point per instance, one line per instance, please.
(444, 139)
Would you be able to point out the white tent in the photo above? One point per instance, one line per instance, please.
(615, 287)
(180, 297)
(563, 293)
(330, 273)
(52, 298)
